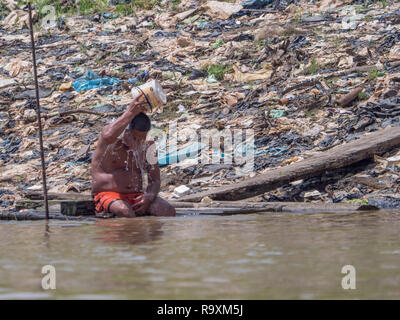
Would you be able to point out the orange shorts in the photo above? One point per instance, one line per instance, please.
(104, 200)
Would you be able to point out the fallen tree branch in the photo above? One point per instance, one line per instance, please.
(307, 83)
(348, 98)
(361, 69)
(77, 111)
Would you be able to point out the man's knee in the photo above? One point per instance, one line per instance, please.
(161, 207)
(170, 210)
(122, 209)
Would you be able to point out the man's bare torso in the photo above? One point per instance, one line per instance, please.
(121, 169)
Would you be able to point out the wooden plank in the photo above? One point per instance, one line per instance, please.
(287, 207)
(306, 207)
(337, 157)
(38, 195)
(40, 215)
(34, 204)
(217, 211)
(66, 207)
(77, 208)
(86, 207)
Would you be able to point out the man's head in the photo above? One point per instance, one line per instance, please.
(137, 129)
(140, 123)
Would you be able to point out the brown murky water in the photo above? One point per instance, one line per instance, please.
(259, 256)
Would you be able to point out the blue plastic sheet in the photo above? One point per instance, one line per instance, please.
(277, 151)
(179, 155)
(92, 80)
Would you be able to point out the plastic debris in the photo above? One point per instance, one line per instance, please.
(181, 191)
(255, 4)
(222, 10)
(285, 69)
(92, 80)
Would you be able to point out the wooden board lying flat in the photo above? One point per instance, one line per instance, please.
(38, 195)
(86, 207)
(66, 207)
(40, 215)
(315, 207)
(337, 157)
(217, 211)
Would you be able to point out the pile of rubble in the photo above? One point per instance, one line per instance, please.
(304, 75)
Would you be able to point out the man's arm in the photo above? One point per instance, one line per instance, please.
(112, 131)
(153, 176)
(153, 171)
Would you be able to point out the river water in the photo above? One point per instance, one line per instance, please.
(256, 256)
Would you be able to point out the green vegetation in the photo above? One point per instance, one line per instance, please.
(260, 43)
(175, 4)
(312, 68)
(87, 7)
(146, 4)
(218, 70)
(368, 17)
(357, 201)
(362, 96)
(310, 114)
(83, 7)
(3, 9)
(90, 7)
(83, 48)
(297, 17)
(373, 74)
(124, 9)
(338, 42)
(217, 44)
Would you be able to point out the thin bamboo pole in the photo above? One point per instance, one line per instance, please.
(38, 115)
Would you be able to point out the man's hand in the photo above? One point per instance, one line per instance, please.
(138, 105)
(144, 202)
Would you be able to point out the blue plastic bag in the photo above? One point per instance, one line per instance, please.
(92, 80)
(179, 155)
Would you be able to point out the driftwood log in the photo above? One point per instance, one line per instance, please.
(348, 98)
(341, 156)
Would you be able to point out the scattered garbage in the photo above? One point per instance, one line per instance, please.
(222, 10)
(255, 4)
(181, 191)
(190, 151)
(277, 113)
(300, 74)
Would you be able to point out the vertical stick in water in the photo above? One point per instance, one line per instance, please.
(38, 115)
